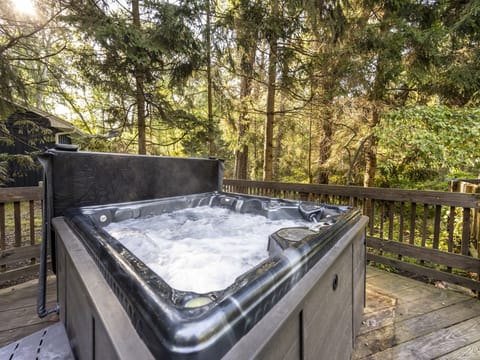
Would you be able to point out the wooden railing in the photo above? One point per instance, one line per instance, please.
(427, 233)
(431, 234)
(470, 186)
(20, 233)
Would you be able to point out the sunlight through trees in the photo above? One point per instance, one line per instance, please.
(310, 91)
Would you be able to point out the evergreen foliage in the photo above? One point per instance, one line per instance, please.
(370, 92)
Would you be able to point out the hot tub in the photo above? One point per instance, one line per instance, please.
(299, 294)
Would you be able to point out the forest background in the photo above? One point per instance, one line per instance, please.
(358, 92)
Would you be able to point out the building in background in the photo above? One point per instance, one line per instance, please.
(25, 132)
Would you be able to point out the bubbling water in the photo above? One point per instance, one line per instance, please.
(199, 249)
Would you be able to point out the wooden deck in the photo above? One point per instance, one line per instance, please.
(18, 310)
(404, 319)
(407, 319)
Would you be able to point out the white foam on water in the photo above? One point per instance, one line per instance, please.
(199, 249)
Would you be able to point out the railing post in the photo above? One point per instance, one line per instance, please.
(465, 231)
(303, 196)
(17, 223)
(3, 242)
(473, 217)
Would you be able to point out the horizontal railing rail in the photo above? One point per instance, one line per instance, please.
(20, 233)
(429, 233)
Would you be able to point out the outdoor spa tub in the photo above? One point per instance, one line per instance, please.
(154, 260)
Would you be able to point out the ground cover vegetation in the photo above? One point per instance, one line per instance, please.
(363, 92)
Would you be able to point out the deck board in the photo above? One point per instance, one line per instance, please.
(416, 321)
(435, 344)
(21, 295)
(469, 352)
(18, 310)
(403, 319)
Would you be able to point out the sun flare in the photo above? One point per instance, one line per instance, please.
(26, 7)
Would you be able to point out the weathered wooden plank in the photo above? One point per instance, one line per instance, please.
(376, 320)
(392, 283)
(421, 270)
(17, 223)
(20, 194)
(411, 291)
(413, 218)
(436, 226)
(17, 274)
(371, 220)
(18, 312)
(379, 310)
(373, 271)
(476, 233)
(435, 344)
(462, 182)
(415, 310)
(427, 197)
(377, 301)
(402, 222)
(382, 217)
(462, 262)
(424, 225)
(386, 308)
(423, 299)
(398, 332)
(25, 294)
(18, 254)
(466, 231)
(391, 215)
(451, 228)
(31, 207)
(469, 352)
(3, 241)
(19, 317)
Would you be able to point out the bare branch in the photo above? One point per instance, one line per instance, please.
(16, 39)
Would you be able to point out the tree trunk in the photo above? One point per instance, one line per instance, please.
(377, 98)
(269, 121)
(279, 139)
(142, 138)
(256, 168)
(139, 91)
(211, 126)
(241, 162)
(247, 38)
(309, 158)
(257, 135)
(371, 151)
(271, 88)
(241, 154)
(325, 145)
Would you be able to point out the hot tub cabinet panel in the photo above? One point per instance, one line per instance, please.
(303, 301)
(359, 259)
(322, 333)
(311, 321)
(97, 325)
(319, 317)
